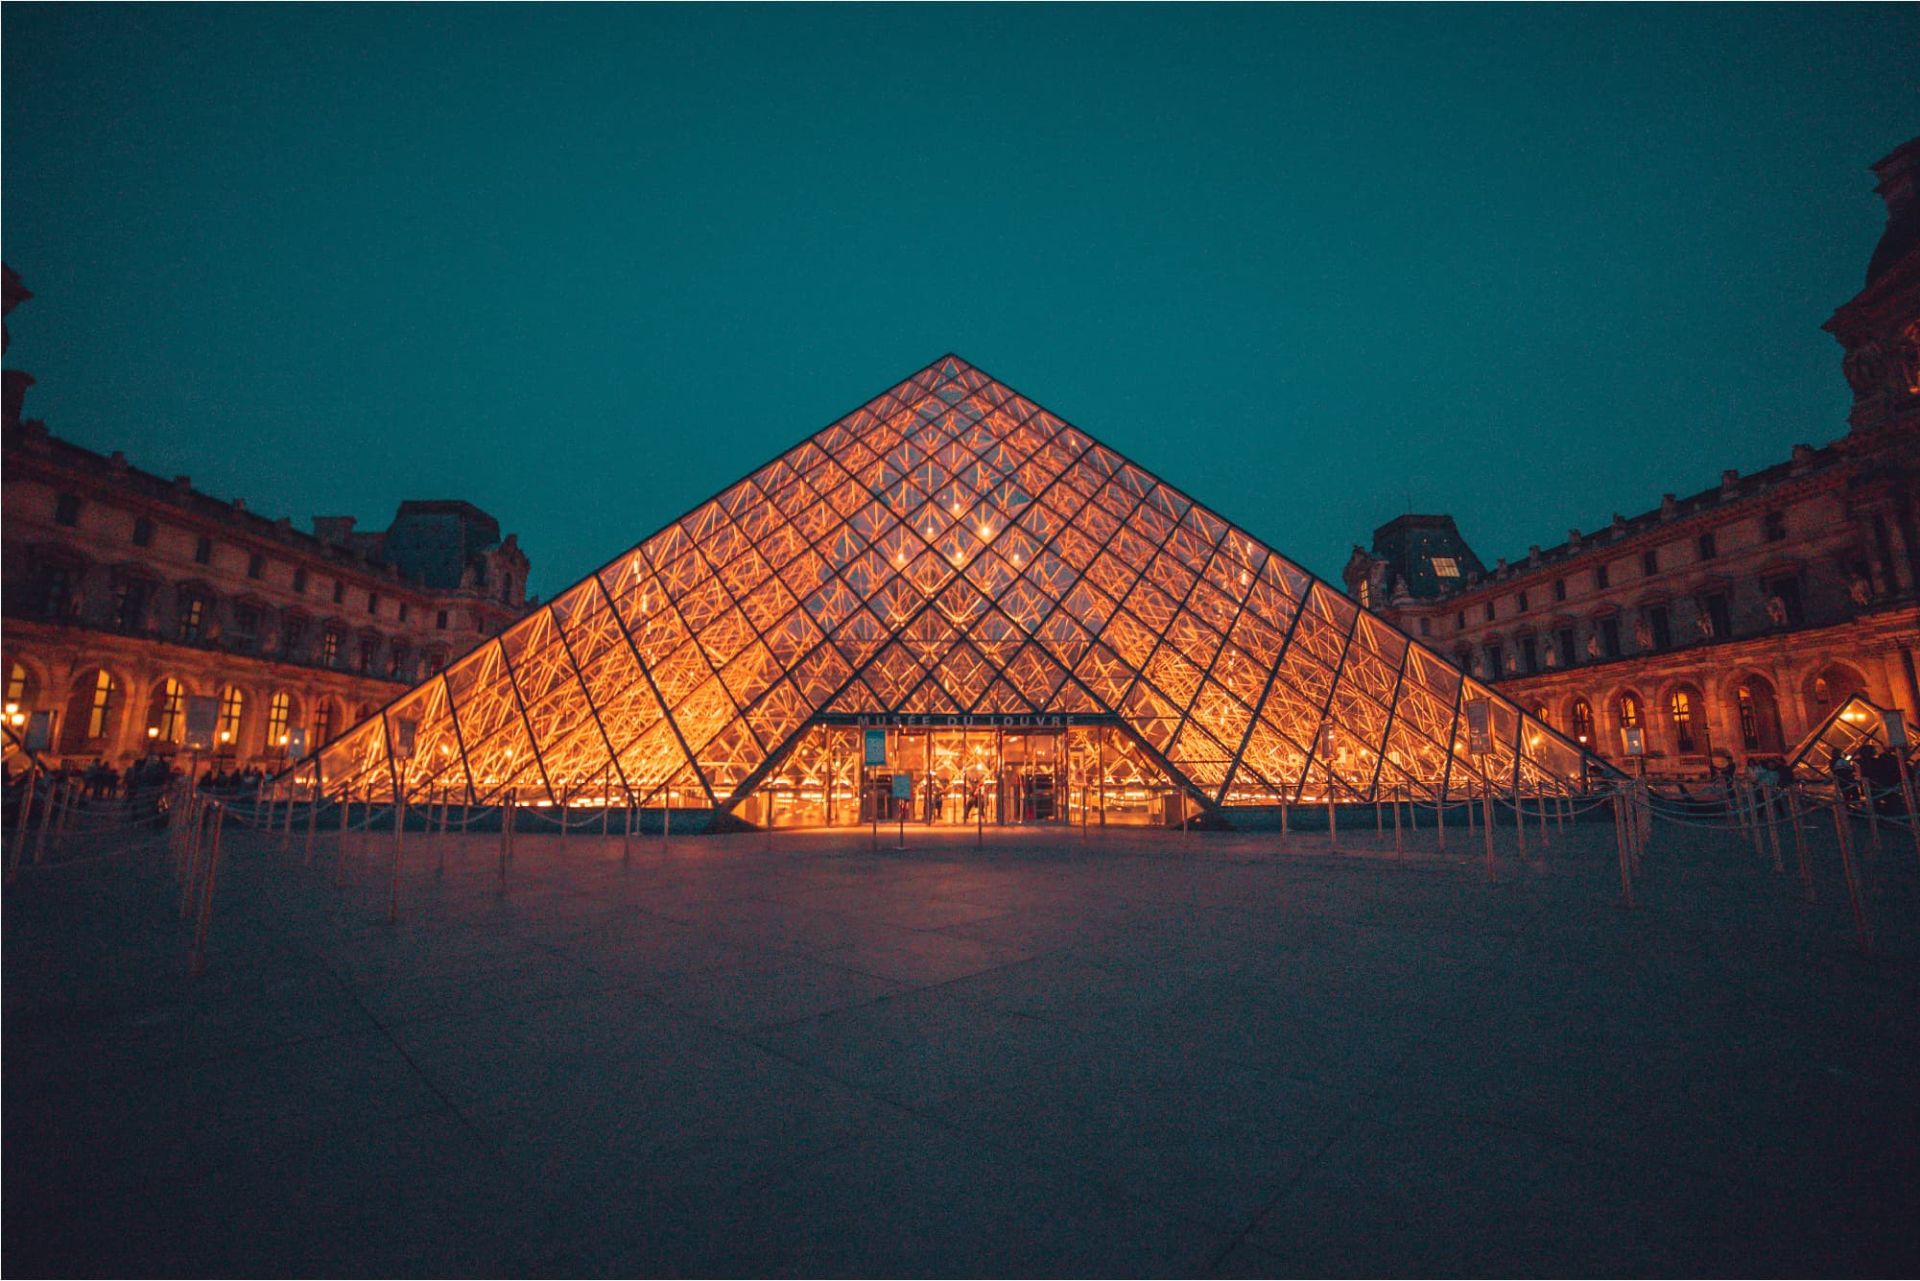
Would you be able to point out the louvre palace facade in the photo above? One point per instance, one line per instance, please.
(1729, 623)
(126, 594)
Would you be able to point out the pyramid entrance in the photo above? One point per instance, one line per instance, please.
(1037, 629)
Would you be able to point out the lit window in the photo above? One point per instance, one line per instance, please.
(1749, 721)
(193, 617)
(232, 704)
(16, 685)
(1682, 709)
(1582, 719)
(330, 648)
(1446, 567)
(279, 715)
(100, 709)
(166, 716)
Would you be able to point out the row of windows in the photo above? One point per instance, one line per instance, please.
(66, 511)
(1655, 633)
(1706, 546)
(94, 704)
(1756, 712)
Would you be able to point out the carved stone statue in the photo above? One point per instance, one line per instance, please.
(1703, 623)
(1593, 646)
(1777, 610)
(1861, 590)
(1642, 634)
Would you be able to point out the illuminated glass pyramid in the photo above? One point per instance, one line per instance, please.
(948, 553)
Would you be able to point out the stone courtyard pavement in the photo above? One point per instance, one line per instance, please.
(1143, 1055)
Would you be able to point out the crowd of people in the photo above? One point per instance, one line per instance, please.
(1869, 775)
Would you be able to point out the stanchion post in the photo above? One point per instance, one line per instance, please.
(27, 791)
(1440, 817)
(1862, 929)
(1486, 827)
(313, 815)
(1519, 821)
(340, 856)
(1770, 807)
(199, 953)
(1873, 814)
(1906, 798)
(393, 877)
(1620, 849)
(1399, 846)
(1799, 840)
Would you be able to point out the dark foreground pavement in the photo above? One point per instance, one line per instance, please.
(1140, 1056)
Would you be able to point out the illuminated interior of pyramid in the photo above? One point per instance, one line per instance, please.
(1037, 626)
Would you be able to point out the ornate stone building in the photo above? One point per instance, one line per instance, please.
(1728, 623)
(125, 593)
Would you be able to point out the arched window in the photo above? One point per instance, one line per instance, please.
(323, 723)
(1759, 714)
(1629, 712)
(233, 703)
(167, 712)
(1582, 720)
(279, 715)
(1681, 707)
(1822, 695)
(100, 708)
(1540, 714)
(1749, 720)
(20, 693)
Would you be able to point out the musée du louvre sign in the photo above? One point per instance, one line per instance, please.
(967, 720)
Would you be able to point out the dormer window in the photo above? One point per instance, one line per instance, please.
(1446, 567)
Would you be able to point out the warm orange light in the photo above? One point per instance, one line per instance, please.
(153, 731)
(774, 576)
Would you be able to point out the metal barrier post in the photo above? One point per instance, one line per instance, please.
(1620, 849)
(27, 792)
(1486, 828)
(507, 820)
(1906, 799)
(1546, 840)
(192, 876)
(313, 815)
(393, 877)
(1771, 803)
(1799, 840)
(1440, 817)
(1283, 824)
(1519, 821)
(340, 855)
(199, 953)
(1333, 822)
(1399, 846)
(1873, 813)
(1862, 930)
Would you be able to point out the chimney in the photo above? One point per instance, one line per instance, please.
(333, 529)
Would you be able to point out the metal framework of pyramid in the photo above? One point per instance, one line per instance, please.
(949, 550)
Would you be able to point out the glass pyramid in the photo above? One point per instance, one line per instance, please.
(949, 551)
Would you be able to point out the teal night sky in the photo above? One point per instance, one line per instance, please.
(585, 265)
